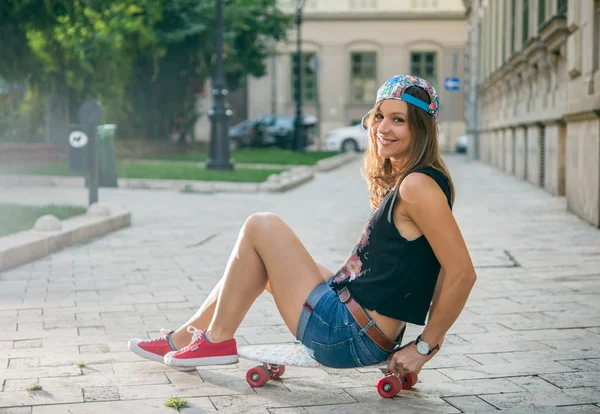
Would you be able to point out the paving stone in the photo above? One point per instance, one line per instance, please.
(92, 331)
(48, 395)
(16, 410)
(470, 404)
(28, 343)
(406, 399)
(467, 387)
(19, 384)
(59, 371)
(100, 394)
(504, 370)
(149, 406)
(93, 349)
(574, 379)
(20, 363)
(524, 400)
(185, 378)
(580, 364)
(105, 380)
(533, 384)
(558, 355)
(487, 359)
(273, 396)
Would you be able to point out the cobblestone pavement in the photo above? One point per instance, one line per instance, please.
(526, 342)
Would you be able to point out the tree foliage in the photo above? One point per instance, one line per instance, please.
(145, 60)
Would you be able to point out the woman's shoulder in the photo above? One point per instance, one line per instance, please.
(423, 184)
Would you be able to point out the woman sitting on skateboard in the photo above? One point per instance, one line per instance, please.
(409, 260)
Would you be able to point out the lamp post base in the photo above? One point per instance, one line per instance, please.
(219, 165)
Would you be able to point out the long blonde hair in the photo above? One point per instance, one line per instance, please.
(381, 174)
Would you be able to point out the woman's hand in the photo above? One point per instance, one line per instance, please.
(407, 359)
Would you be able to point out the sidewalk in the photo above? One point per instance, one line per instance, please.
(528, 340)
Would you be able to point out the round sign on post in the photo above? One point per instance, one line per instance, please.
(78, 139)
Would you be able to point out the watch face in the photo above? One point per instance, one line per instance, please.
(423, 348)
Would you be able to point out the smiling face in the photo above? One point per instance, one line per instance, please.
(390, 131)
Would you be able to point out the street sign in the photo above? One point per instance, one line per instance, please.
(78, 139)
(314, 63)
(452, 84)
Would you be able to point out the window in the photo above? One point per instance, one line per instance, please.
(363, 76)
(596, 49)
(504, 37)
(424, 65)
(513, 27)
(309, 77)
(561, 7)
(525, 22)
(541, 12)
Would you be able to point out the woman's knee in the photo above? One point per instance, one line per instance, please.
(262, 221)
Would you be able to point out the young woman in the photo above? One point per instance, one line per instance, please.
(410, 260)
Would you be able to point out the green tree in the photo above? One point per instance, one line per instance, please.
(145, 60)
(71, 50)
(166, 91)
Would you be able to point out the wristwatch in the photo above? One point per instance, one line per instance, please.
(423, 347)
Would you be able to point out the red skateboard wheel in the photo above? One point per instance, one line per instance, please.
(409, 380)
(276, 371)
(257, 376)
(389, 386)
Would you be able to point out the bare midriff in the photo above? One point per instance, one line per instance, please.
(389, 326)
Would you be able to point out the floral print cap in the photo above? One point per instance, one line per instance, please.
(395, 87)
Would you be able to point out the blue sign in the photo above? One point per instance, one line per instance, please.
(452, 84)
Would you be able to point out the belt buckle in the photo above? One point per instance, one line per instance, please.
(344, 295)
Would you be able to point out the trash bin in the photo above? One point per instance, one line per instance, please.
(107, 160)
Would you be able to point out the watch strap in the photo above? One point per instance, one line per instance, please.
(431, 350)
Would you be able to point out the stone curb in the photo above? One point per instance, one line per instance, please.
(26, 246)
(275, 183)
(336, 161)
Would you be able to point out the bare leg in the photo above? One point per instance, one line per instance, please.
(204, 315)
(267, 251)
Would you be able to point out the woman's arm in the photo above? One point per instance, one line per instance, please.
(426, 205)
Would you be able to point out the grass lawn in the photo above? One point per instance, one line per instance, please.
(158, 170)
(15, 217)
(256, 156)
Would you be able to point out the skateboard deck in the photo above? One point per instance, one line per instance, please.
(274, 359)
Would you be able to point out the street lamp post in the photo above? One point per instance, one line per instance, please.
(299, 141)
(219, 114)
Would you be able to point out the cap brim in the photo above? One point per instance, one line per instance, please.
(364, 120)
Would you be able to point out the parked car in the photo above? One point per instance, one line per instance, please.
(462, 144)
(270, 130)
(244, 134)
(347, 139)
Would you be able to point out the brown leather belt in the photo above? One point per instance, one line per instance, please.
(363, 319)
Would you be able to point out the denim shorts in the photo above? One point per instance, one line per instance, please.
(332, 336)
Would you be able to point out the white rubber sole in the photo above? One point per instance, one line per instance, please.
(133, 347)
(195, 362)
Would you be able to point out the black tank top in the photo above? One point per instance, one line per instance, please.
(387, 273)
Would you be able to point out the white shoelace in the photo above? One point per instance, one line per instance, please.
(164, 333)
(197, 336)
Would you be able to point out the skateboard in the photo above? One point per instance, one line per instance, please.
(274, 359)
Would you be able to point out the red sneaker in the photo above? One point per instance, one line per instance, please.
(202, 352)
(152, 349)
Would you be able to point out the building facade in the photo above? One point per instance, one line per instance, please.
(351, 47)
(532, 102)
